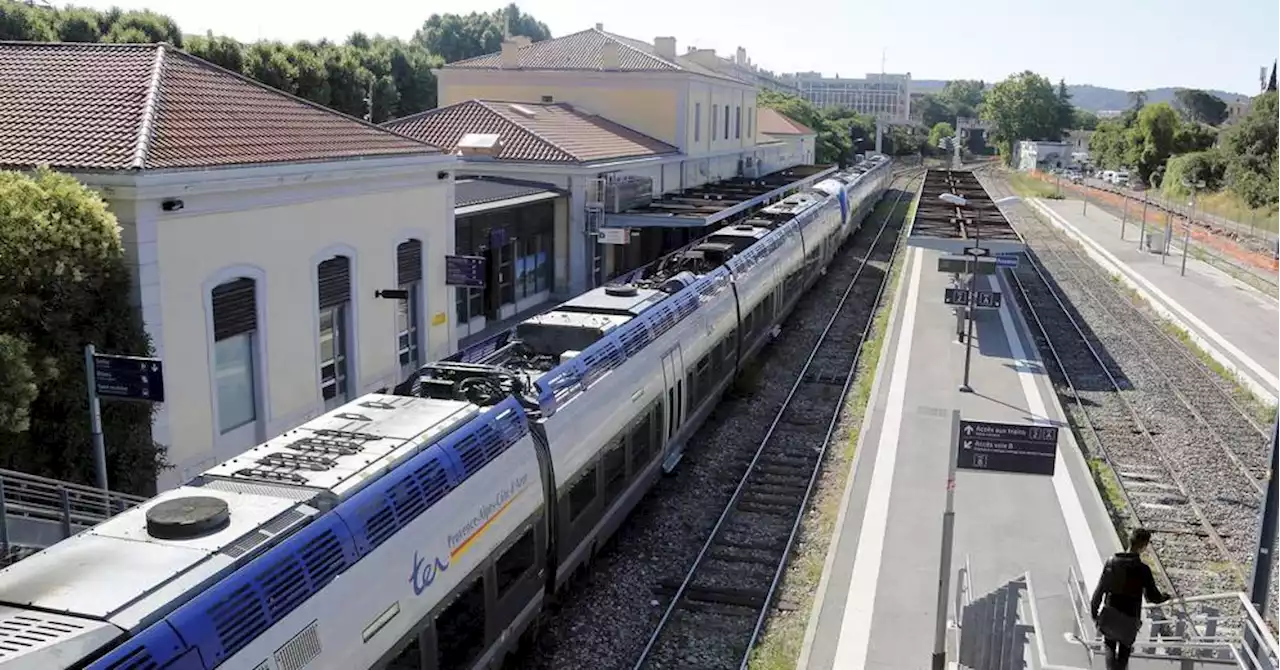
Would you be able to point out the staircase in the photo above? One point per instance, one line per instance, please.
(36, 512)
(1001, 630)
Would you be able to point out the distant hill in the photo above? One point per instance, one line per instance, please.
(1092, 98)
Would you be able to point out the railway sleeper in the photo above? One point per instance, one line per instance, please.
(767, 509)
(725, 554)
(723, 595)
(765, 498)
(785, 489)
(756, 545)
(825, 378)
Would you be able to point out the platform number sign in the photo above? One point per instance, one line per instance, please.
(1007, 447)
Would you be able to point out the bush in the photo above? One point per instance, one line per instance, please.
(64, 284)
(1208, 166)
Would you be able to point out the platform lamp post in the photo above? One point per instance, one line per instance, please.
(961, 203)
(1186, 238)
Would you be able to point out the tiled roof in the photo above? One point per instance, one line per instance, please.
(469, 192)
(584, 51)
(773, 122)
(543, 133)
(151, 106)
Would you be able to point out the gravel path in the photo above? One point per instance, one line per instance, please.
(605, 621)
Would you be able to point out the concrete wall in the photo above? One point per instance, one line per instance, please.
(705, 112)
(276, 236)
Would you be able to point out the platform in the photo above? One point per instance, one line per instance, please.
(1235, 323)
(877, 599)
(943, 227)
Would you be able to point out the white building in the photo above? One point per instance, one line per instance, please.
(884, 96)
(1045, 155)
(260, 228)
(800, 140)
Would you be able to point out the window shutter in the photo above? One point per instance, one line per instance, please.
(409, 262)
(335, 281)
(235, 308)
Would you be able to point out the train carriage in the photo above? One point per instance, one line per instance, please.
(427, 532)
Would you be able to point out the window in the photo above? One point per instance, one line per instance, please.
(750, 112)
(582, 494)
(615, 470)
(641, 440)
(737, 122)
(515, 562)
(334, 301)
(460, 628)
(235, 323)
(408, 313)
(697, 122)
(726, 122)
(533, 267)
(715, 121)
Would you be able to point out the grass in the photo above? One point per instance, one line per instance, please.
(1229, 206)
(1030, 187)
(780, 645)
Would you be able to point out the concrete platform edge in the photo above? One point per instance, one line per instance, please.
(1237, 365)
(1100, 523)
(868, 419)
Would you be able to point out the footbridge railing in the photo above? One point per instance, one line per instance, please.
(36, 512)
(1001, 628)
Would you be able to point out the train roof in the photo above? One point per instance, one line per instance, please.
(138, 565)
(550, 357)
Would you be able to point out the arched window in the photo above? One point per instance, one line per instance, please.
(334, 296)
(235, 329)
(409, 312)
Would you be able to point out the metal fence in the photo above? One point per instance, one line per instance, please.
(36, 511)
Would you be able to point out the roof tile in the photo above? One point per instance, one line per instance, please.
(151, 106)
(544, 133)
(772, 122)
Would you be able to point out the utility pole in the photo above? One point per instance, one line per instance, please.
(1142, 232)
(1264, 556)
(95, 420)
(1124, 215)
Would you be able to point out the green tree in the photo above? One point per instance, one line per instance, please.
(1209, 167)
(1066, 110)
(1251, 148)
(836, 127)
(932, 110)
(454, 37)
(75, 24)
(1083, 119)
(144, 26)
(1153, 136)
(25, 23)
(963, 97)
(1200, 106)
(221, 51)
(939, 133)
(63, 284)
(1022, 107)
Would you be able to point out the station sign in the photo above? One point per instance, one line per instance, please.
(987, 299)
(1007, 260)
(1007, 447)
(982, 299)
(614, 235)
(955, 296)
(128, 377)
(966, 264)
(464, 271)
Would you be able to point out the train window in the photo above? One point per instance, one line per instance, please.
(514, 562)
(642, 441)
(582, 493)
(615, 470)
(460, 628)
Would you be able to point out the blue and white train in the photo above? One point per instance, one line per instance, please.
(429, 531)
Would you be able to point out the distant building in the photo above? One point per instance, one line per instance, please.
(1045, 155)
(740, 67)
(884, 96)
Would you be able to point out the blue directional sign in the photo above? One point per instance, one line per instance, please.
(464, 271)
(1007, 261)
(1007, 447)
(128, 377)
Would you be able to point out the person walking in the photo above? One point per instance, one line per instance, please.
(1125, 580)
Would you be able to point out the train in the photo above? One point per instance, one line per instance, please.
(429, 527)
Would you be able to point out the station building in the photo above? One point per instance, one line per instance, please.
(636, 150)
(260, 229)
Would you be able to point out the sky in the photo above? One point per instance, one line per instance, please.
(1128, 45)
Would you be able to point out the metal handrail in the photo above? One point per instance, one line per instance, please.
(39, 498)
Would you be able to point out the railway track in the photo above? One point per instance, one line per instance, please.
(1189, 461)
(716, 612)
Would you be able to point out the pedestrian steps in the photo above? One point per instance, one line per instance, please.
(1001, 630)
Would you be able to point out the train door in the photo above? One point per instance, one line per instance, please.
(673, 375)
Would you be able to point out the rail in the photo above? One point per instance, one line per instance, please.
(51, 501)
(792, 523)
